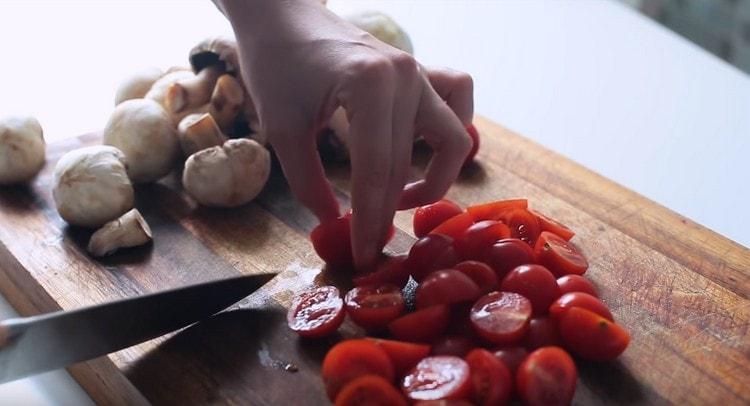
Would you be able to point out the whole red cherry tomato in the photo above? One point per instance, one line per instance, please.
(479, 237)
(507, 254)
(446, 286)
(426, 218)
(351, 359)
(511, 357)
(438, 377)
(430, 253)
(480, 273)
(404, 355)
(547, 377)
(454, 226)
(495, 210)
(591, 336)
(535, 283)
(579, 299)
(501, 317)
(316, 312)
(372, 390)
(576, 283)
(543, 332)
(559, 256)
(491, 381)
(553, 226)
(333, 243)
(474, 134)
(422, 325)
(374, 307)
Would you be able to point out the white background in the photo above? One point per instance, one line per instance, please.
(592, 80)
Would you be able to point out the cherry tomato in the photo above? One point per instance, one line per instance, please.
(316, 312)
(511, 357)
(444, 402)
(523, 225)
(371, 390)
(454, 226)
(579, 299)
(438, 377)
(446, 286)
(426, 218)
(535, 283)
(404, 355)
(479, 237)
(452, 345)
(491, 381)
(547, 377)
(559, 256)
(553, 226)
(494, 210)
(432, 252)
(576, 283)
(543, 332)
(592, 336)
(374, 307)
(480, 273)
(391, 270)
(332, 241)
(351, 359)
(507, 254)
(459, 323)
(474, 134)
(501, 317)
(422, 325)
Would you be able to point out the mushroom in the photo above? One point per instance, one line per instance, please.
(382, 27)
(227, 176)
(21, 149)
(129, 230)
(137, 85)
(193, 92)
(91, 186)
(198, 132)
(168, 96)
(142, 130)
(226, 102)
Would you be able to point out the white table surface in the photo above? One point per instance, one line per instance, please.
(592, 80)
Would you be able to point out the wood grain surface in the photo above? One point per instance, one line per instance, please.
(681, 289)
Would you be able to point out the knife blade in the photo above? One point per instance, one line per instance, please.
(31, 345)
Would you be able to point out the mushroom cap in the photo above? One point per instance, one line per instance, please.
(21, 149)
(215, 51)
(229, 175)
(382, 27)
(91, 186)
(145, 133)
(137, 85)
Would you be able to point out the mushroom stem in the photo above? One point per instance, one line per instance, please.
(192, 92)
(130, 230)
(226, 102)
(198, 132)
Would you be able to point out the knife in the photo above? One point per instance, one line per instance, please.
(31, 345)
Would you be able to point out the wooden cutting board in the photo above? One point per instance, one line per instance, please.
(681, 289)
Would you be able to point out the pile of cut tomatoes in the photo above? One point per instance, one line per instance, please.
(499, 304)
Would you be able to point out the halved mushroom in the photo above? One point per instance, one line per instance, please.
(130, 230)
(198, 132)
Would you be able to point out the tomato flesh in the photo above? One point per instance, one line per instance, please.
(374, 307)
(512, 357)
(371, 390)
(501, 317)
(391, 270)
(475, 143)
(351, 359)
(333, 243)
(479, 237)
(404, 355)
(591, 336)
(535, 283)
(438, 377)
(559, 256)
(427, 217)
(316, 312)
(495, 210)
(446, 286)
(543, 332)
(429, 253)
(422, 325)
(507, 254)
(547, 377)
(579, 299)
(576, 283)
(553, 226)
(491, 381)
(523, 225)
(455, 226)
(480, 273)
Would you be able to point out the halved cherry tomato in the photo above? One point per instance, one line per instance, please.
(371, 390)
(333, 243)
(543, 332)
(480, 273)
(491, 381)
(591, 336)
(444, 402)
(351, 359)
(404, 355)
(474, 134)
(501, 317)
(553, 226)
(391, 270)
(579, 299)
(547, 377)
(429, 253)
(452, 345)
(454, 226)
(422, 325)
(446, 286)
(559, 256)
(479, 237)
(426, 218)
(576, 283)
(438, 377)
(535, 283)
(316, 312)
(512, 357)
(523, 225)
(494, 210)
(507, 254)
(374, 307)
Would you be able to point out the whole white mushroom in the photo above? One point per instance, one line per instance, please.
(229, 175)
(145, 133)
(382, 27)
(137, 85)
(21, 149)
(91, 186)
